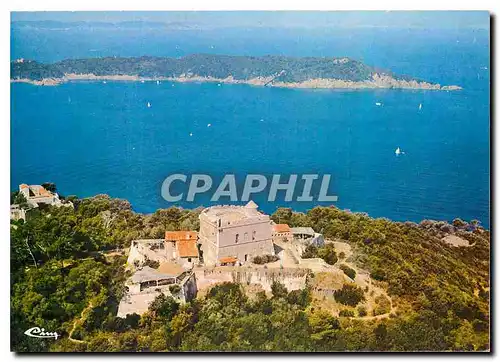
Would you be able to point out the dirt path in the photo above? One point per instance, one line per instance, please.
(87, 308)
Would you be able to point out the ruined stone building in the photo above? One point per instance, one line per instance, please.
(177, 246)
(147, 283)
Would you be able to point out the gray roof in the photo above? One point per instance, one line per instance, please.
(302, 230)
(148, 274)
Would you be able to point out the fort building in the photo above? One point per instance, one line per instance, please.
(37, 194)
(234, 233)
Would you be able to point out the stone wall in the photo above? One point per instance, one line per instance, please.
(292, 278)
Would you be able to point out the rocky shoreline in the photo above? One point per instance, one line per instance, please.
(378, 81)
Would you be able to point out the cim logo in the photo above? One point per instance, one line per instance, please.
(37, 332)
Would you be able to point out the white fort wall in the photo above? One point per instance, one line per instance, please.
(292, 278)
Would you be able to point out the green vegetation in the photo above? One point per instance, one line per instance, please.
(62, 280)
(327, 253)
(362, 311)
(350, 295)
(346, 313)
(264, 259)
(383, 305)
(351, 273)
(282, 68)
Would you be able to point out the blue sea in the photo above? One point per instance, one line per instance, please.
(94, 138)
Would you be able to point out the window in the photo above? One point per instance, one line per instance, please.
(245, 237)
(189, 260)
(246, 257)
(253, 234)
(237, 237)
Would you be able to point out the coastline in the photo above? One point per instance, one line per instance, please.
(378, 81)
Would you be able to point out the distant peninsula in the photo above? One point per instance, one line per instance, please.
(269, 71)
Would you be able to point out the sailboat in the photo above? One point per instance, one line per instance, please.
(398, 151)
(420, 106)
(157, 82)
(149, 105)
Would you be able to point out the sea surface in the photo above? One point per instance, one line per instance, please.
(93, 138)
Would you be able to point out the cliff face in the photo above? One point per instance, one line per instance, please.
(275, 71)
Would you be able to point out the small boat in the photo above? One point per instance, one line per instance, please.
(378, 104)
(191, 134)
(398, 151)
(104, 82)
(149, 105)
(420, 106)
(157, 82)
(142, 81)
(209, 125)
(218, 85)
(262, 120)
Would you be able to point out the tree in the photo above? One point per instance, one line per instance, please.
(21, 200)
(279, 290)
(282, 215)
(310, 252)
(351, 273)
(164, 307)
(350, 295)
(328, 254)
(49, 186)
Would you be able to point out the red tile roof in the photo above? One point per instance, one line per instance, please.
(170, 268)
(181, 235)
(281, 228)
(228, 259)
(187, 248)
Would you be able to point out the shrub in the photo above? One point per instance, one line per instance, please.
(310, 252)
(350, 294)
(152, 263)
(383, 305)
(351, 273)
(174, 289)
(279, 290)
(300, 297)
(362, 311)
(346, 313)
(264, 259)
(328, 254)
(164, 307)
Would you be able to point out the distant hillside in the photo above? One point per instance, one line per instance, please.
(281, 71)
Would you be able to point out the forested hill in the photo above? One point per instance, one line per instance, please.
(63, 281)
(280, 68)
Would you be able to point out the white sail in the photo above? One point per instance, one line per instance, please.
(398, 151)
(149, 105)
(420, 106)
